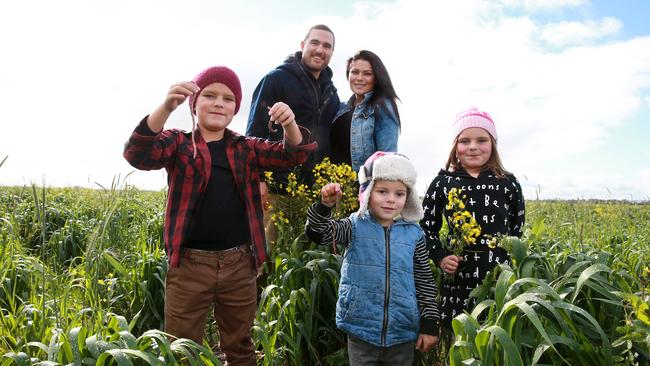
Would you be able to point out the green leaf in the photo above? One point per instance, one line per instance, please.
(510, 349)
(595, 326)
(117, 354)
(519, 249)
(586, 275)
(76, 336)
(20, 358)
(147, 357)
(115, 264)
(501, 288)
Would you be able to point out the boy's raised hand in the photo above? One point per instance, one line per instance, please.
(175, 96)
(281, 113)
(330, 194)
(178, 93)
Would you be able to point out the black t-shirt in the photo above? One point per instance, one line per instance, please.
(340, 139)
(220, 220)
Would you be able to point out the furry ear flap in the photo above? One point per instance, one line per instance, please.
(364, 175)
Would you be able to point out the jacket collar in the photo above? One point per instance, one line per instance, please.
(293, 64)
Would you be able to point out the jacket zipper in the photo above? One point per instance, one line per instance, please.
(316, 100)
(384, 327)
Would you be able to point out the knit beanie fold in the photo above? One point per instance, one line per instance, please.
(393, 167)
(473, 117)
(217, 74)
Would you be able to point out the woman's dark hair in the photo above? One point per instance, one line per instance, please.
(383, 86)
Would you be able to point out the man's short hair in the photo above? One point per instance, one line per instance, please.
(321, 27)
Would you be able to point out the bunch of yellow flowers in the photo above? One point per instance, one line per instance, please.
(291, 210)
(463, 228)
(326, 172)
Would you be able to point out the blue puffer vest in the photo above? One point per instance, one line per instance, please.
(373, 128)
(377, 300)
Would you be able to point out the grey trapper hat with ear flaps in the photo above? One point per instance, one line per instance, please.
(393, 167)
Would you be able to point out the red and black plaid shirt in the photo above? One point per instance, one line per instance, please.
(187, 177)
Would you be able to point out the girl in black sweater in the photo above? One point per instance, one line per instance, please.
(493, 197)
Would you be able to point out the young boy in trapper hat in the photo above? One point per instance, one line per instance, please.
(387, 293)
(213, 233)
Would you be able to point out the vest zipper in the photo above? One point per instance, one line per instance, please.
(384, 327)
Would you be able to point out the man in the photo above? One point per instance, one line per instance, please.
(304, 82)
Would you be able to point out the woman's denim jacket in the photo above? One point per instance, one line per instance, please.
(372, 129)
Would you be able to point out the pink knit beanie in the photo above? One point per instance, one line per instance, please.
(473, 117)
(217, 74)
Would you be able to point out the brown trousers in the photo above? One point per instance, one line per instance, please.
(225, 279)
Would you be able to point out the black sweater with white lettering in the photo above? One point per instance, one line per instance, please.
(497, 204)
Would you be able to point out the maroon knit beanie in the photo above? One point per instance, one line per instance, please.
(217, 74)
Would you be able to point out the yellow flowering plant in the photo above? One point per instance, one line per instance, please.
(291, 212)
(327, 172)
(463, 228)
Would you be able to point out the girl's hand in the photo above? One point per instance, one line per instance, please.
(330, 194)
(178, 93)
(425, 342)
(282, 114)
(449, 264)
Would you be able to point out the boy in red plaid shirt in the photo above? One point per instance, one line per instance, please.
(214, 235)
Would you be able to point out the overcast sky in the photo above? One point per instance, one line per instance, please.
(566, 81)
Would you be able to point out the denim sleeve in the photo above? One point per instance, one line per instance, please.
(387, 128)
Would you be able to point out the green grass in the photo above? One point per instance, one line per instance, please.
(82, 282)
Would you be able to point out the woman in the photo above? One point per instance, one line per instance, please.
(369, 121)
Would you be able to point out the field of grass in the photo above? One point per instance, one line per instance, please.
(82, 282)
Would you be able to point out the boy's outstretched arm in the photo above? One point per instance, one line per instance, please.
(282, 114)
(320, 228)
(175, 96)
(149, 147)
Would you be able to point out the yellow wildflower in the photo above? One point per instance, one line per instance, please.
(464, 228)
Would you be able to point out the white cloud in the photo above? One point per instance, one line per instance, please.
(77, 85)
(536, 5)
(570, 33)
